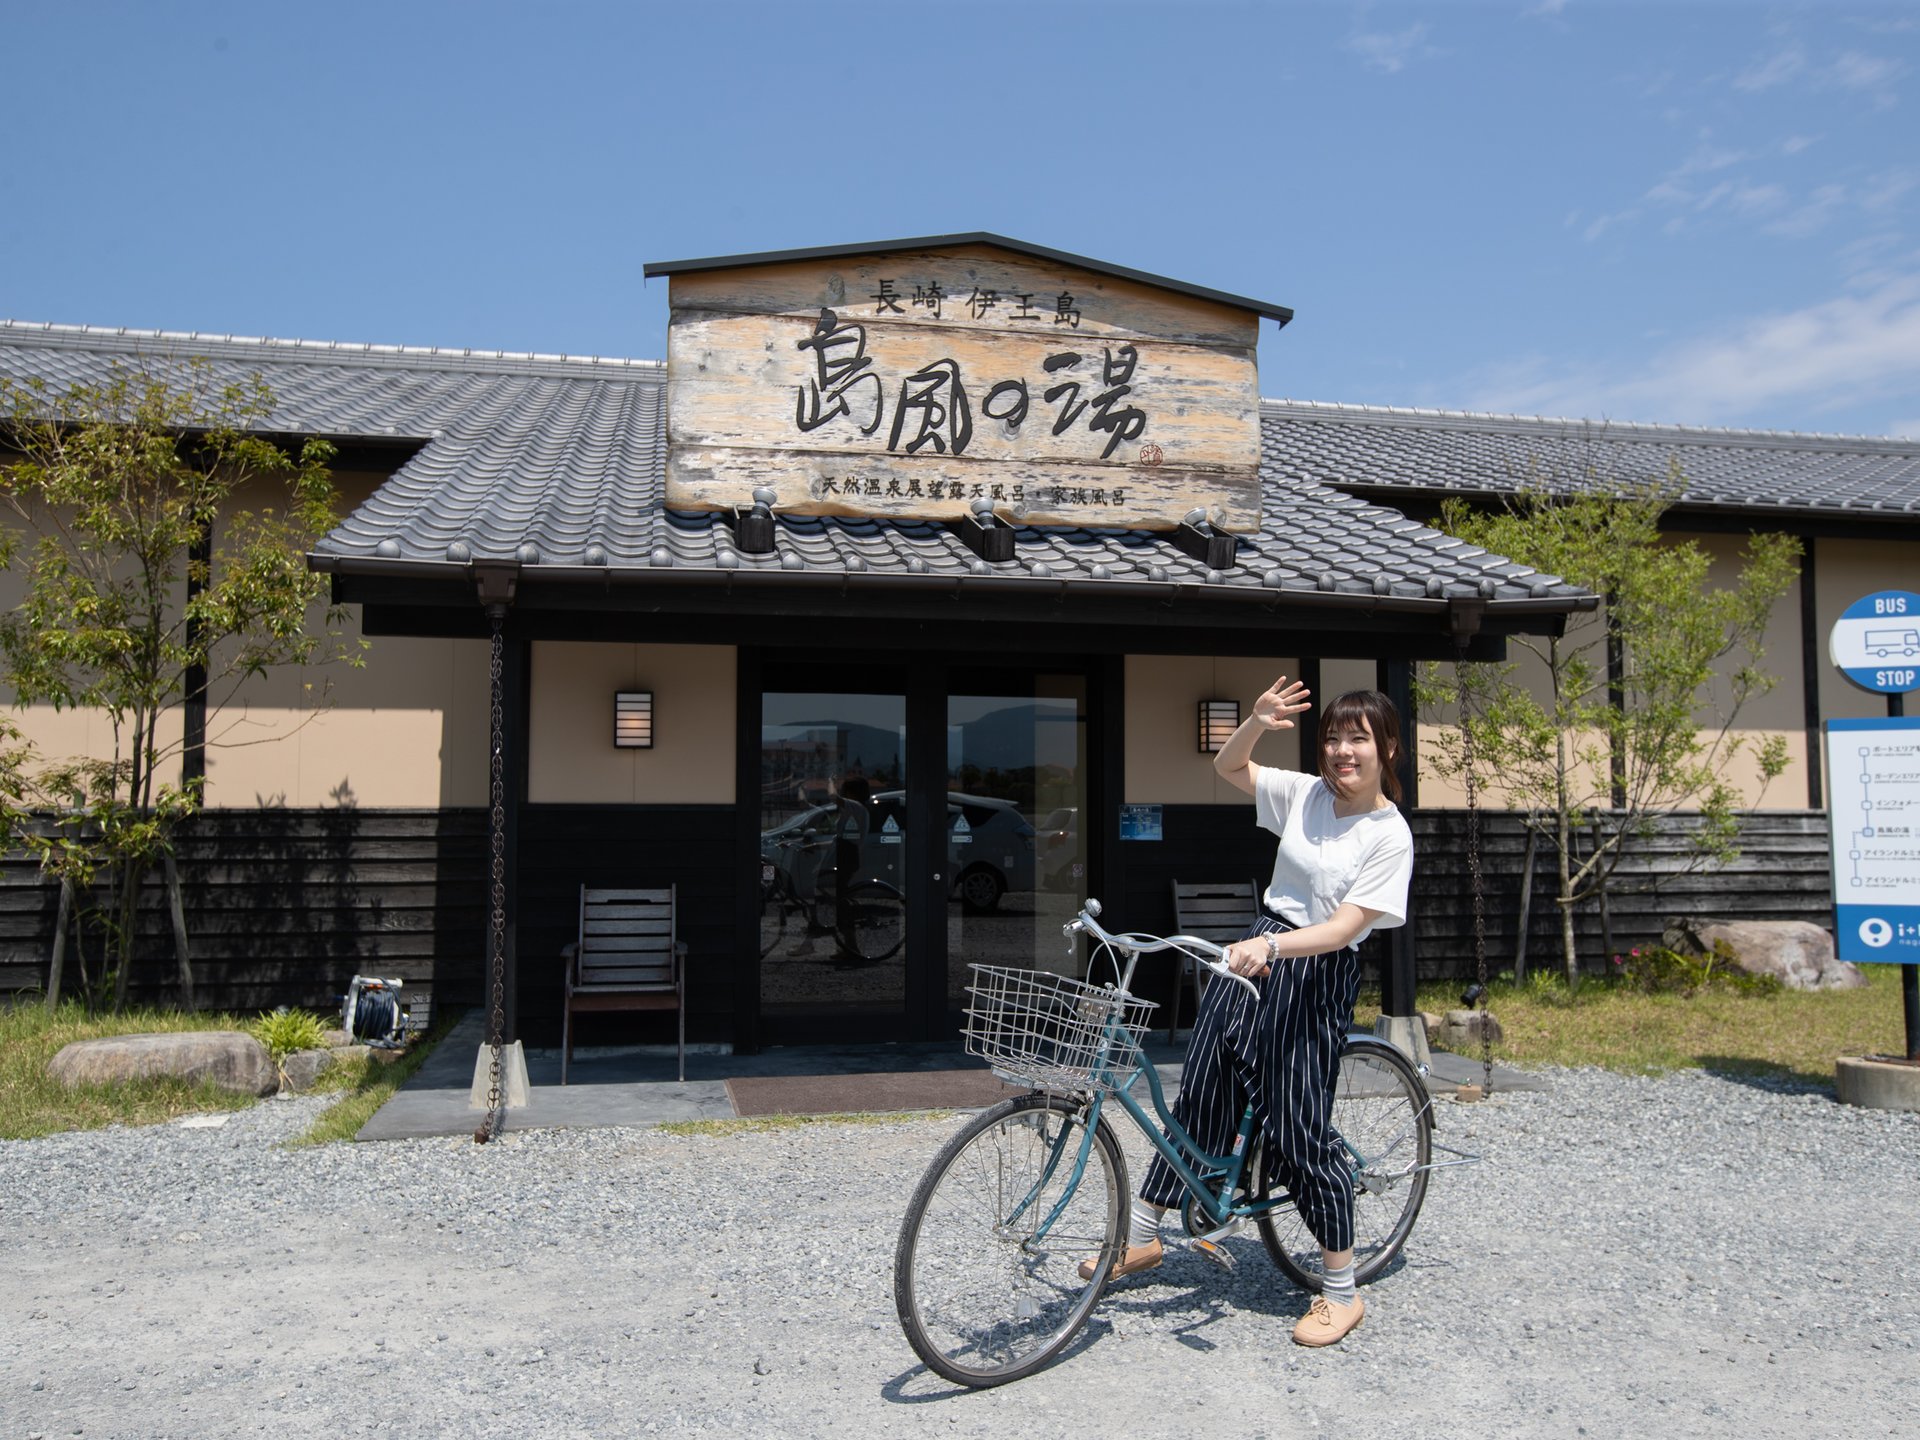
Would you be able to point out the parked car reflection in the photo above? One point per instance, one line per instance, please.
(990, 847)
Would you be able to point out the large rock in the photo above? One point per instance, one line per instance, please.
(1463, 1031)
(1798, 954)
(229, 1058)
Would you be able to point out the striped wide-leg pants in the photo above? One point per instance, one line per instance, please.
(1282, 1053)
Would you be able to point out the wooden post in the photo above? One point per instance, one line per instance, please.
(182, 953)
(1526, 902)
(58, 960)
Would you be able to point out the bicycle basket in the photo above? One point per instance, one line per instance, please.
(1051, 1032)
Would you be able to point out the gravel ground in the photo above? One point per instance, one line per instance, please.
(1689, 1255)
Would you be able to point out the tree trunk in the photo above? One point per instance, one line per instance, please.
(58, 960)
(1526, 904)
(180, 947)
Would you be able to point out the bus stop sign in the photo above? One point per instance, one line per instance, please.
(1876, 642)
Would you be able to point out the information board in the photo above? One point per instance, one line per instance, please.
(1873, 789)
(1141, 822)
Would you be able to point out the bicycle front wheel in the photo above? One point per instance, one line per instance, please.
(986, 1276)
(1384, 1118)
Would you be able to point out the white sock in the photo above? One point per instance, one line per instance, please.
(1145, 1229)
(1338, 1285)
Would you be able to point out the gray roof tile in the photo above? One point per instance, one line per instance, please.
(566, 454)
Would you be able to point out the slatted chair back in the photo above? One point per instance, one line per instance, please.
(1219, 912)
(628, 956)
(626, 940)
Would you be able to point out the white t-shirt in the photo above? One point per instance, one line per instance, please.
(1325, 860)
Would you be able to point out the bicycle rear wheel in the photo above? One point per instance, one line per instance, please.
(1384, 1117)
(876, 920)
(984, 1297)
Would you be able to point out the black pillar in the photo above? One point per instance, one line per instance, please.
(1812, 663)
(1395, 681)
(193, 716)
(747, 824)
(517, 725)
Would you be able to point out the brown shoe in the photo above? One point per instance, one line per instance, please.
(1137, 1258)
(1326, 1323)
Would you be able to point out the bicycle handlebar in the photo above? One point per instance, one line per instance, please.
(1138, 944)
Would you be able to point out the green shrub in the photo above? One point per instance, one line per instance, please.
(284, 1031)
(1656, 970)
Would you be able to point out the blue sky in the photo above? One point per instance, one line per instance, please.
(1703, 213)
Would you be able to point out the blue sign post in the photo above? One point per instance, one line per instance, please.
(1876, 890)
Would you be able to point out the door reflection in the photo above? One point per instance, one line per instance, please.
(832, 919)
(1016, 789)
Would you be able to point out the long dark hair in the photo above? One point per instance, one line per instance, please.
(1383, 723)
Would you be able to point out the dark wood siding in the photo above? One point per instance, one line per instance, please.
(563, 847)
(285, 906)
(1782, 874)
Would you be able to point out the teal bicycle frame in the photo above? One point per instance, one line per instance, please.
(1211, 1180)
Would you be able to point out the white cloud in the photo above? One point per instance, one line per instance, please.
(1856, 347)
(1810, 217)
(1390, 52)
(1775, 70)
(1545, 9)
(1794, 144)
(1854, 71)
(1906, 429)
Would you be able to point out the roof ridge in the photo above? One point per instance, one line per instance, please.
(1623, 429)
(233, 346)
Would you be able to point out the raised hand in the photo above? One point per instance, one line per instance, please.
(1276, 708)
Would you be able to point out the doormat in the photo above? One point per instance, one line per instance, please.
(865, 1094)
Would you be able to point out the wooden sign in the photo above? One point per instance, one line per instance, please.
(912, 384)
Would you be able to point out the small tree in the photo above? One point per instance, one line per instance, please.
(1636, 746)
(144, 590)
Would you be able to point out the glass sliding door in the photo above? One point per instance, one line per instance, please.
(832, 882)
(1016, 777)
(914, 819)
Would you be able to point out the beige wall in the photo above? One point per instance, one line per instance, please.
(1846, 571)
(406, 731)
(573, 759)
(409, 730)
(1164, 764)
(1778, 712)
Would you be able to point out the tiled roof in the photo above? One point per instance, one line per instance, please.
(558, 461)
(1379, 449)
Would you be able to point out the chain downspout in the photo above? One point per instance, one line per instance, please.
(497, 923)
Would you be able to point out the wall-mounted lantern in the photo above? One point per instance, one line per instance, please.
(1218, 720)
(633, 720)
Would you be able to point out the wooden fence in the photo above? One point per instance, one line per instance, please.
(284, 906)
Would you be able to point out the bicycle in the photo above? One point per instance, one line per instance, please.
(987, 1271)
(871, 925)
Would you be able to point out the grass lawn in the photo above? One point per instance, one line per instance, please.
(32, 1104)
(1792, 1034)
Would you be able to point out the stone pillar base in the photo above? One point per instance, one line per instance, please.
(1407, 1034)
(1877, 1084)
(513, 1077)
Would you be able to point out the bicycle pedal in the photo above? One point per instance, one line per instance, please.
(1215, 1253)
